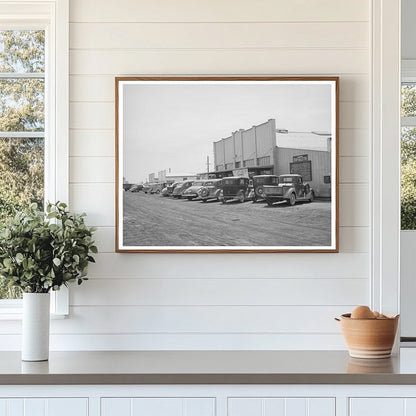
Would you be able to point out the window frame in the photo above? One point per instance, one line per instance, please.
(53, 17)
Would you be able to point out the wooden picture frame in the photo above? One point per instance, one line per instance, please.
(271, 142)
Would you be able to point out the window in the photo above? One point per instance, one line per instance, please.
(408, 154)
(248, 162)
(263, 161)
(33, 111)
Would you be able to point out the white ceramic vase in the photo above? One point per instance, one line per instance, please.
(35, 326)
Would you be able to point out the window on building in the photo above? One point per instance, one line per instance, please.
(408, 155)
(248, 162)
(263, 161)
(33, 114)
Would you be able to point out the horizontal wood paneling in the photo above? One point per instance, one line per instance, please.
(213, 301)
(294, 61)
(96, 143)
(218, 11)
(217, 291)
(230, 266)
(354, 205)
(96, 199)
(353, 170)
(91, 169)
(354, 142)
(184, 341)
(100, 88)
(200, 319)
(218, 35)
(354, 239)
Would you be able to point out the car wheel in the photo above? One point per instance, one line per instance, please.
(312, 196)
(241, 197)
(190, 198)
(292, 199)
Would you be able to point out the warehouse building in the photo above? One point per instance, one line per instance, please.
(258, 151)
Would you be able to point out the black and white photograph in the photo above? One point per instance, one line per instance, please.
(227, 164)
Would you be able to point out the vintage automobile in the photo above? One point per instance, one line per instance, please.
(156, 188)
(291, 188)
(192, 192)
(168, 190)
(234, 188)
(257, 193)
(146, 187)
(210, 190)
(136, 188)
(180, 189)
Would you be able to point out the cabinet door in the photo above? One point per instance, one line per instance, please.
(155, 406)
(376, 406)
(44, 407)
(272, 406)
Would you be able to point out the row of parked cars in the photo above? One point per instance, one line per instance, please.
(269, 188)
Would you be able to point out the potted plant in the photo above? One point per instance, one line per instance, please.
(40, 252)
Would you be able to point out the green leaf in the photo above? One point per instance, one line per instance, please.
(56, 261)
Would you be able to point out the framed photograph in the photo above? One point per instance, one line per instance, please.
(227, 164)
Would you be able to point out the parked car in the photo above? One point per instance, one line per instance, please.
(257, 193)
(127, 186)
(291, 188)
(146, 187)
(192, 191)
(168, 190)
(234, 188)
(180, 189)
(136, 188)
(156, 188)
(210, 190)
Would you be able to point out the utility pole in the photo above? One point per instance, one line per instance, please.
(208, 164)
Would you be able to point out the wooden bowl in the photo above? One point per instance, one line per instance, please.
(369, 338)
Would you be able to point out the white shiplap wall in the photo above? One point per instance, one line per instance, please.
(214, 301)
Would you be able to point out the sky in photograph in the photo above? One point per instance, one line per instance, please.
(173, 126)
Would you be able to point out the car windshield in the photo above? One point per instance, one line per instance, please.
(198, 183)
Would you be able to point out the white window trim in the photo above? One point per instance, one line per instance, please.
(385, 192)
(53, 16)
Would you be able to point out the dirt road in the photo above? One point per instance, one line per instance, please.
(152, 220)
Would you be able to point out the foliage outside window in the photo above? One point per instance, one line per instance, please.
(22, 125)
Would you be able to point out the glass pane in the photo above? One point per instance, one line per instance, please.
(408, 178)
(22, 105)
(22, 51)
(408, 106)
